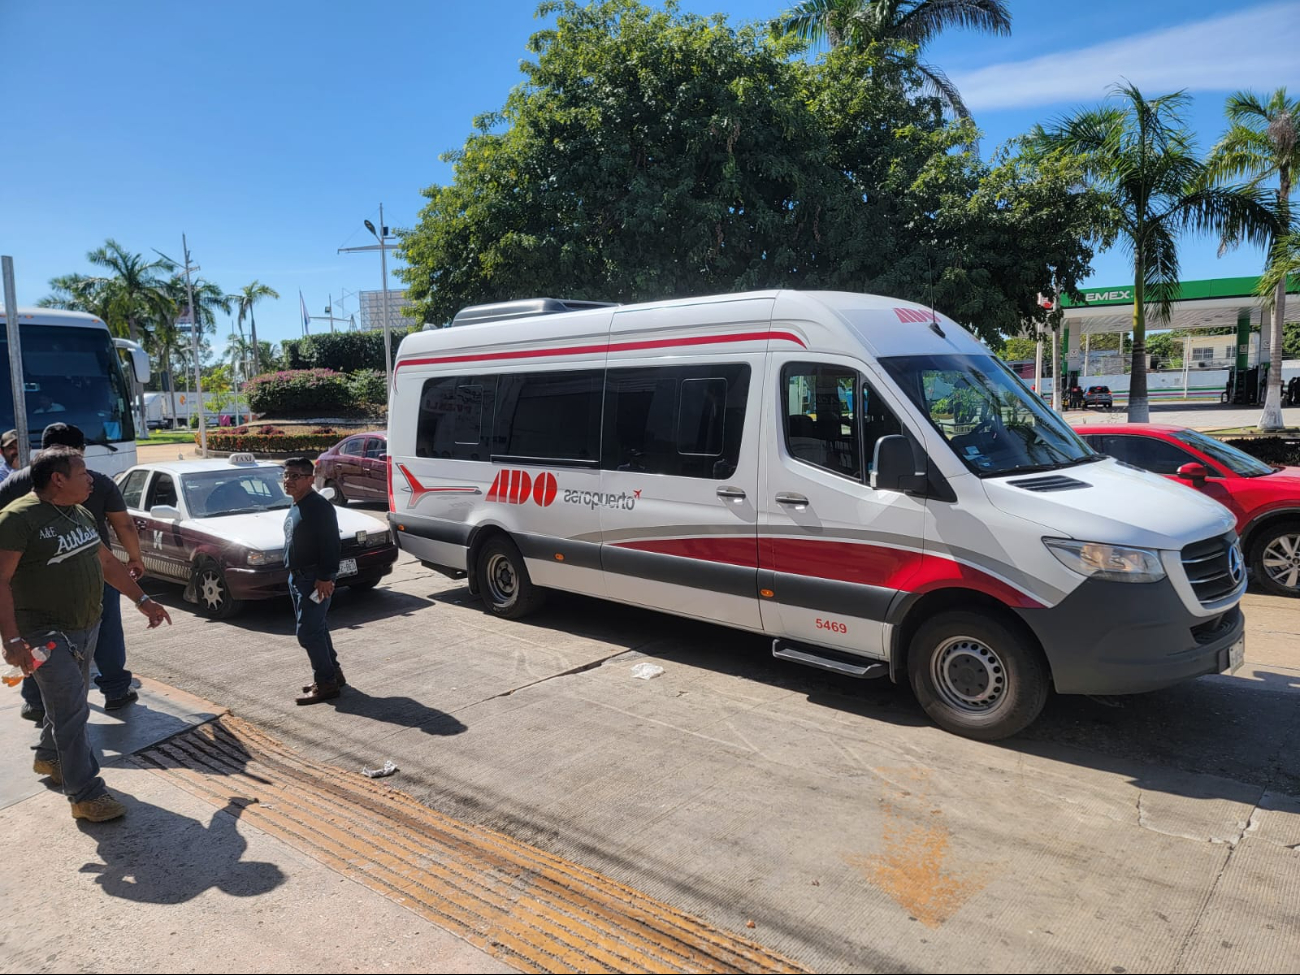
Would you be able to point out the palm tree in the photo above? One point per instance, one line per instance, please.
(1143, 158)
(1283, 263)
(247, 297)
(1261, 144)
(167, 341)
(134, 283)
(899, 26)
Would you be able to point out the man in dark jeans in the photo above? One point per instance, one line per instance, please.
(106, 506)
(311, 551)
(53, 566)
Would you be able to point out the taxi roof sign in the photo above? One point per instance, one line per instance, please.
(244, 458)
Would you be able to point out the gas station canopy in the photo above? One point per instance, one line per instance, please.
(1217, 303)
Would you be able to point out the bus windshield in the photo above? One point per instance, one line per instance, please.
(988, 416)
(71, 375)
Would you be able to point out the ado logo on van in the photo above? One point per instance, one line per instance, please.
(516, 487)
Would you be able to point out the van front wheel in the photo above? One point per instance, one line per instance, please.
(976, 677)
(504, 583)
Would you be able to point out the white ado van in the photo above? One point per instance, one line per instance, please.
(851, 474)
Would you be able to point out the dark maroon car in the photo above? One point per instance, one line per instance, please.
(356, 468)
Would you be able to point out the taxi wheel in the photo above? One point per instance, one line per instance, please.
(339, 498)
(503, 581)
(1275, 559)
(977, 677)
(213, 592)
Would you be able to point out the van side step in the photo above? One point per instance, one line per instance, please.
(837, 663)
(443, 570)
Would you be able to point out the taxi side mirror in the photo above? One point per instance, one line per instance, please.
(327, 493)
(165, 512)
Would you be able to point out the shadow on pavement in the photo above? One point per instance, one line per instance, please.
(160, 857)
(406, 712)
(1212, 727)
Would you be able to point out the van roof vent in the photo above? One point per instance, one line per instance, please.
(1051, 482)
(523, 308)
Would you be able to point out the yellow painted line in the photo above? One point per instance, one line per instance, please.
(530, 908)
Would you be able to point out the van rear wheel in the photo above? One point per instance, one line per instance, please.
(504, 583)
(977, 677)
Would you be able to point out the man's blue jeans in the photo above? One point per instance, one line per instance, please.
(64, 681)
(312, 630)
(114, 679)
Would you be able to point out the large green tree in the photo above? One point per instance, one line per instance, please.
(652, 154)
(1262, 144)
(897, 28)
(1141, 155)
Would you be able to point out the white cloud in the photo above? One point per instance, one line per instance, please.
(1256, 48)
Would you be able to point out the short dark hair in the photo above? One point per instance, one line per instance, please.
(53, 460)
(63, 435)
(303, 464)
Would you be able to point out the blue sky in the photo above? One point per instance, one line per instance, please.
(268, 131)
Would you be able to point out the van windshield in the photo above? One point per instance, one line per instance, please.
(993, 422)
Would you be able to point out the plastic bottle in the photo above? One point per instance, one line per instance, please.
(14, 675)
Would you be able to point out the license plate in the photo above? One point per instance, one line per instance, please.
(347, 567)
(1236, 656)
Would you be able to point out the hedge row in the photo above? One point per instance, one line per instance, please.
(341, 351)
(271, 443)
(1271, 450)
(316, 392)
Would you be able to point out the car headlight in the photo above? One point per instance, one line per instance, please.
(376, 539)
(1113, 563)
(266, 558)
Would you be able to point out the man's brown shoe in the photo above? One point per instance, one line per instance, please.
(100, 809)
(338, 679)
(319, 692)
(51, 770)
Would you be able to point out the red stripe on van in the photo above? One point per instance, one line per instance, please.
(854, 562)
(418, 490)
(608, 347)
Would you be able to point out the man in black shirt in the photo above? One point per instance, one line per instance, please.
(311, 552)
(106, 506)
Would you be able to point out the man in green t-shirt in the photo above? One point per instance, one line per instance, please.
(53, 566)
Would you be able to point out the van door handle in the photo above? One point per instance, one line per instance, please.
(731, 494)
(795, 500)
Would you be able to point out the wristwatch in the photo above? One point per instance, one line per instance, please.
(143, 599)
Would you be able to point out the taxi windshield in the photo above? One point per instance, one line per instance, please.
(211, 494)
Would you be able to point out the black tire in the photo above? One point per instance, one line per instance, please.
(339, 498)
(503, 581)
(1275, 558)
(213, 592)
(976, 676)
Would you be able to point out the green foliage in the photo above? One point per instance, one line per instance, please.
(340, 351)
(654, 154)
(1271, 450)
(1018, 349)
(259, 441)
(369, 386)
(297, 393)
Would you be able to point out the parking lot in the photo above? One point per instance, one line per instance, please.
(1152, 833)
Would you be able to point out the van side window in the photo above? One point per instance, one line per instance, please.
(549, 416)
(878, 420)
(820, 425)
(679, 420)
(452, 422)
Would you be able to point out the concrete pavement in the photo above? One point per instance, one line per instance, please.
(1154, 833)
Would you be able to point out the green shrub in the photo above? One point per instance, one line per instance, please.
(369, 386)
(305, 392)
(1271, 450)
(341, 351)
(270, 443)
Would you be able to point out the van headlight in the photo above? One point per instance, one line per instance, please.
(1113, 563)
(266, 558)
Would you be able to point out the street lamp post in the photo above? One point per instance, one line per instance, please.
(383, 237)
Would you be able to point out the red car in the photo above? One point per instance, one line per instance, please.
(1265, 499)
(356, 468)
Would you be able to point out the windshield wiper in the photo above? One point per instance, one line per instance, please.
(101, 442)
(1040, 468)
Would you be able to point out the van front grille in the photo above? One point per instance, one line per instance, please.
(1214, 567)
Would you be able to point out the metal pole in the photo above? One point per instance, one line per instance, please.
(194, 346)
(383, 264)
(16, 379)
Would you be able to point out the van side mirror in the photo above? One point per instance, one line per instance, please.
(894, 467)
(1196, 473)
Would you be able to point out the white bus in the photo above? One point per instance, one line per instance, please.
(72, 373)
(854, 476)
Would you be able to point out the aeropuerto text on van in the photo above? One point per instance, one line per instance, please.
(854, 476)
